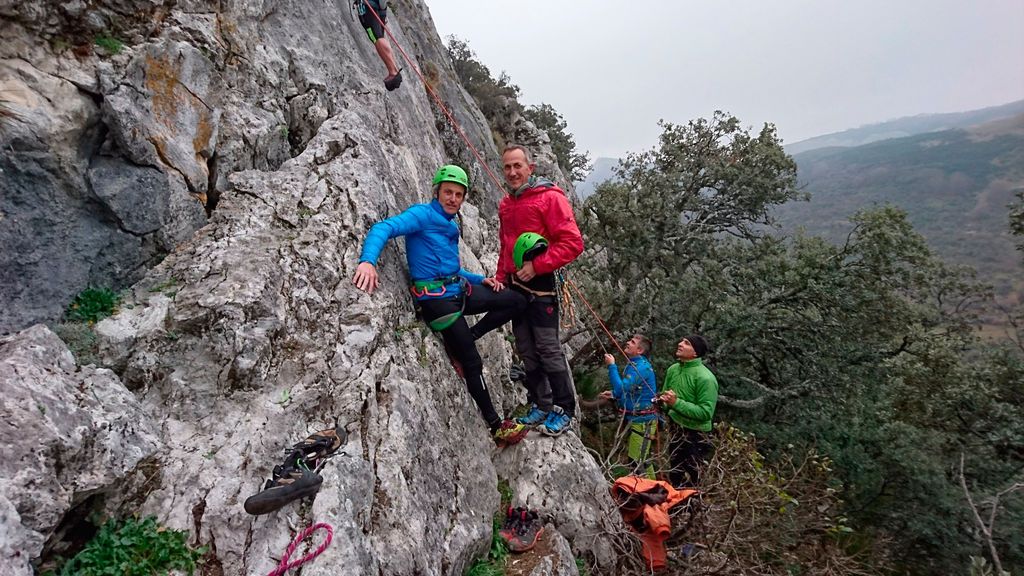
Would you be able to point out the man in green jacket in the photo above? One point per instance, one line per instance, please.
(689, 398)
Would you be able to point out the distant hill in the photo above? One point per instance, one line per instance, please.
(954, 184)
(602, 169)
(908, 126)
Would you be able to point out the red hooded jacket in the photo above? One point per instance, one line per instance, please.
(543, 209)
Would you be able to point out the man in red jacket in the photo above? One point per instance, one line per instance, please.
(537, 205)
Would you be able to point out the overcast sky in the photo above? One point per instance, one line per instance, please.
(614, 68)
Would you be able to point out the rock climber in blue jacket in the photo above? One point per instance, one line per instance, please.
(444, 291)
(634, 394)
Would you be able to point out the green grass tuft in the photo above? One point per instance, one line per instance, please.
(109, 43)
(92, 305)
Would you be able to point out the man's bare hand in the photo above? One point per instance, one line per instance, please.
(494, 284)
(609, 359)
(668, 398)
(606, 395)
(526, 273)
(366, 277)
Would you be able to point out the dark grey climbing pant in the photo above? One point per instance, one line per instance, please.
(548, 382)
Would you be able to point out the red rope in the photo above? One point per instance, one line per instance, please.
(437, 99)
(285, 565)
(599, 321)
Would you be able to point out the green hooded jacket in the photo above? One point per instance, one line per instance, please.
(696, 391)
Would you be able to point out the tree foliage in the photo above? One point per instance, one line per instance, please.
(862, 350)
(671, 206)
(498, 99)
(494, 96)
(574, 164)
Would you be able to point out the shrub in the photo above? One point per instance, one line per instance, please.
(134, 548)
(92, 305)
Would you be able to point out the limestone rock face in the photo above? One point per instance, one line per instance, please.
(249, 335)
(66, 434)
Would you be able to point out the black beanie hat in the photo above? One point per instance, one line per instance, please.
(700, 345)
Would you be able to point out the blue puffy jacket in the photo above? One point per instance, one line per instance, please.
(431, 245)
(635, 390)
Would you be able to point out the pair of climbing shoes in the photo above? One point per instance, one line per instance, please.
(522, 528)
(298, 476)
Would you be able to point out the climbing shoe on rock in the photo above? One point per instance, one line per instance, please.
(320, 445)
(556, 423)
(288, 484)
(393, 81)
(534, 417)
(297, 477)
(521, 530)
(509, 432)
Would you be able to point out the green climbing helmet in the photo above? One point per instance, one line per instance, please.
(528, 246)
(451, 173)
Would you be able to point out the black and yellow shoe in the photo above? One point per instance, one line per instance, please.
(289, 483)
(297, 477)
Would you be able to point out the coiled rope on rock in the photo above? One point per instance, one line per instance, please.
(285, 565)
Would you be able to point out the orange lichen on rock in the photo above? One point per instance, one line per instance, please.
(162, 81)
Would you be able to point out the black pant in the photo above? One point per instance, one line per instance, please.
(687, 450)
(548, 382)
(460, 338)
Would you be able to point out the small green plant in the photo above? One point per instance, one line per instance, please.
(92, 305)
(283, 130)
(506, 493)
(493, 564)
(109, 43)
(581, 567)
(286, 397)
(134, 548)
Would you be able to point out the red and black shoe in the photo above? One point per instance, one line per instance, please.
(523, 528)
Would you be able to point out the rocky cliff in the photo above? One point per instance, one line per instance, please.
(244, 148)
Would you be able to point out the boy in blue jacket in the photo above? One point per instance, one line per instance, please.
(634, 394)
(444, 291)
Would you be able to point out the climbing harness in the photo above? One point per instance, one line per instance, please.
(285, 565)
(535, 293)
(422, 288)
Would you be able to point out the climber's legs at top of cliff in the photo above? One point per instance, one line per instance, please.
(375, 31)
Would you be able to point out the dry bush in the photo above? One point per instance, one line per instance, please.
(760, 518)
